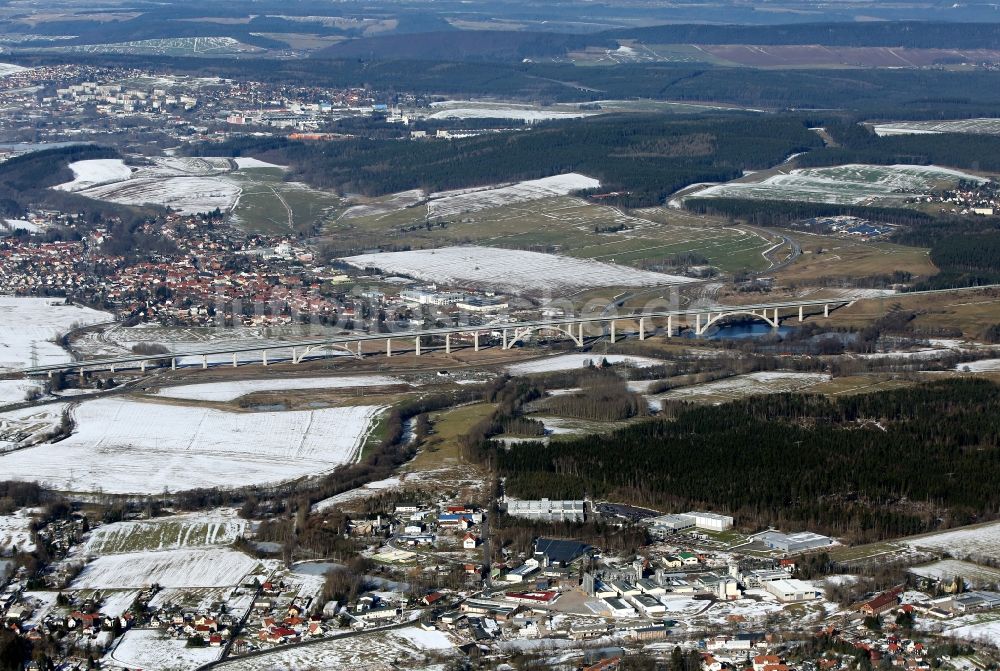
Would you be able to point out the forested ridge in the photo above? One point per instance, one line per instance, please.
(650, 156)
(877, 93)
(760, 212)
(866, 467)
(907, 34)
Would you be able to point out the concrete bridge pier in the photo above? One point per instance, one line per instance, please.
(173, 362)
(826, 310)
(801, 314)
(505, 339)
(295, 359)
(670, 326)
(612, 330)
(642, 328)
(263, 357)
(204, 361)
(777, 321)
(416, 343)
(447, 343)
(581, 334)
(81, 375)
(142, 367)
(697, 324)
(388, 346)
(234, 361)
(475, 341)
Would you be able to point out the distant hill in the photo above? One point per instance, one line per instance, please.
(912, 34)
(494, 45)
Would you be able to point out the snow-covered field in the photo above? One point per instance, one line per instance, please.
(28, 426)
(571, 361)
(770, 382)
(510, 270)
(845, 184)
(467, 109)
(980, 629)
(13, 225)
(981, 366)
(365, 491)
(970, 126)
(188, 185)
(390, 203)
(407, 648)
(214, 567)
(125, 446)
(15, 531)
(120, 340)
(151, 650)
(9, 69)
(983, 540)
(451, 203)
(167, 533)
(16, 391)
(28, 327)
(947, 569)
(230, 391)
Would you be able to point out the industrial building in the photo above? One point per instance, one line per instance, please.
(555, 552)
(690, 520)
(671, 523)
(797, 542)
(711, 521)
(549, 511)
(792, 590)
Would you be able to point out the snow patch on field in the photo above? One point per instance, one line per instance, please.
(981, 366)
(740, 386)
(979, 540)
(16, 391)
(7, 69)
(149, 649)
(230, 391)
(572, 361)
(123, 446)
(28, 426)
(464, 109)
(371, 649)
(948, 569)
(987, 631)
(397, 201)
(510, 270)
(365, 491)
(15, 531)
(425, 640)
(167, 533)
(173, 568)
(96, 171)
(14, 225)
(248, 163)
(845, 184)
(189, 185)
(28, 327)
(451, 203)
(984, 126)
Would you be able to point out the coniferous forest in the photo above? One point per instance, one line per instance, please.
(864, 467)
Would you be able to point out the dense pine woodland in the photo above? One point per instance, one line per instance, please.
(649, 156)
(864, 467)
